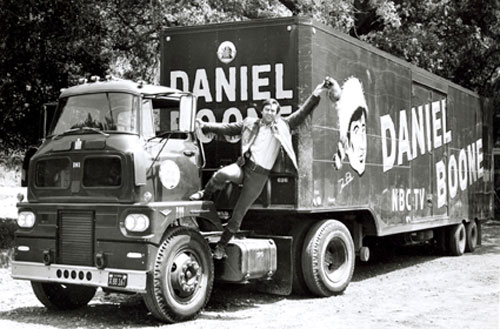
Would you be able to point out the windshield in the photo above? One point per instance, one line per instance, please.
(104, 111)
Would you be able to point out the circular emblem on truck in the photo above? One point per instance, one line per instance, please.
(226, 52)
(170, 174)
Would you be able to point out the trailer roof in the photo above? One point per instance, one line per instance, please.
(125, 86)
(418, 74)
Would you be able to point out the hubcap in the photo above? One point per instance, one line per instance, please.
(185, 275)
(335, 260)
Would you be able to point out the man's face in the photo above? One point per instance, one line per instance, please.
(357, 144)
(269, 113)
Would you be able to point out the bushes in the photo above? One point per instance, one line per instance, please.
(11, 162)
(7, 228)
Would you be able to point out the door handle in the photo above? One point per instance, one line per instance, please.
(189, 153)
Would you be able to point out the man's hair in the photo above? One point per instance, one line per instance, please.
(270, 101)
(356, 115)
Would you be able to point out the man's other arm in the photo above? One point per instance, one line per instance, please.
(228, 129)
(312, 101)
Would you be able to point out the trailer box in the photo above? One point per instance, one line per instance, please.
(420, 159)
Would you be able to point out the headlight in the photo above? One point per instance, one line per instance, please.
(137, 222)
(26, 219)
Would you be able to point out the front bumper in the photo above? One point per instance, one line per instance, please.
(80, 275)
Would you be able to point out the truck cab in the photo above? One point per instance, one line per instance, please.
(118, 141)
(107, 201)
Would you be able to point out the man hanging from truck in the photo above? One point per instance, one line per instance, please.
(261, 140)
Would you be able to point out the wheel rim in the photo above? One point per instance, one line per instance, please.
(335, 260)
(185, 276)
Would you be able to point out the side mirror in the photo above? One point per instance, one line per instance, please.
(46, 115)
(26, 163)
(187, 113)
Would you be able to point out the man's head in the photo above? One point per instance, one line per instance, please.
(270, 110)
(356, 140)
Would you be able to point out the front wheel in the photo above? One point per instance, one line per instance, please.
(183, 275)
(328, 258)
(57, 296)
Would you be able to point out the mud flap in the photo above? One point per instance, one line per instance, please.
(281, 282)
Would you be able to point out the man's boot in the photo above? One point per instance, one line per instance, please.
(205, 194)
(220, 248)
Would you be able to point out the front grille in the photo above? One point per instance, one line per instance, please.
(76, 238)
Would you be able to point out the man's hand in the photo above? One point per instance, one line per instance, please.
(198, 124)
(331, 85)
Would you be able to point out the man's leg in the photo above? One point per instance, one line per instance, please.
(253, 184)
(231, 173)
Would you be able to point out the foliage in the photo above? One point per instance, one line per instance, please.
(457, 40)
(10, 167)
(136, 26)
(7, 229)
(47, 45)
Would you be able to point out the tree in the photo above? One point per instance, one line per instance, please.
(458, 40)
(45, 46)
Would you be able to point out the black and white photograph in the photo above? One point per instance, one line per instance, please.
(250, 164)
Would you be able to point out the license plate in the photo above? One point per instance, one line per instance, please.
(117, 280)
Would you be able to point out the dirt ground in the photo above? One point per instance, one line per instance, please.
(405, 288)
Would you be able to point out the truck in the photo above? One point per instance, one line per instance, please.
(402, 155)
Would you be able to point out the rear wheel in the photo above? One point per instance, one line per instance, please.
(183, 275)
(57, 296)
(298, 232)
(471, 236)
(328, 258)
(456, 239)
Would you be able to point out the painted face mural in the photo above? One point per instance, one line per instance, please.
(352, 113)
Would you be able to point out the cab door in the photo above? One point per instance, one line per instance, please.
(176, 152)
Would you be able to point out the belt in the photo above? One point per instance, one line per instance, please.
(250, 165)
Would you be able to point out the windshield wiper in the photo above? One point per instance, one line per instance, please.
(84, 128)
(166, 137)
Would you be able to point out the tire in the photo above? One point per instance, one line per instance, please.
(298, 232)
(328, 258)
(471, 236)
(457, 239)
(181, 283)
(57, 296)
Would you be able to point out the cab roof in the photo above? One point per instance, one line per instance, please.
(125, 86)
